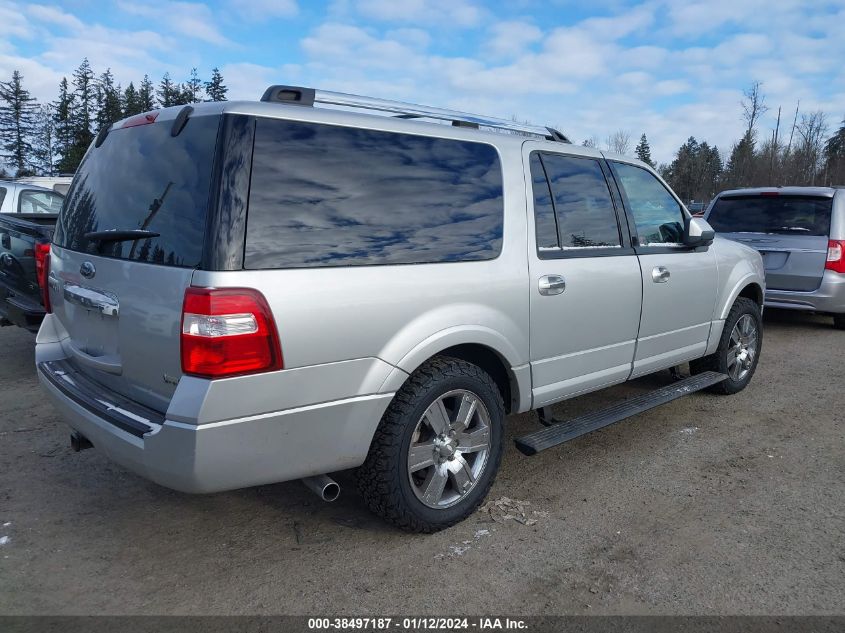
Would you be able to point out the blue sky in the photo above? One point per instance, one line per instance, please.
(669, 68)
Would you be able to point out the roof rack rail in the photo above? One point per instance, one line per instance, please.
(297, 95)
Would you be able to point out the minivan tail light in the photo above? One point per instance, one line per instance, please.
(42, 271)
(836, 256)
(228, 332)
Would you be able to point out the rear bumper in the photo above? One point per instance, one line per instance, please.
(828, 297)
(223, 455)
(19, 310)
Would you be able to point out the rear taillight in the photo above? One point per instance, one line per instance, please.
(228, 332)
(836, 256)
(42, 271)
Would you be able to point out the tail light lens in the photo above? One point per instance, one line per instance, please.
(228, 332)
(42, 271)
(836, 256)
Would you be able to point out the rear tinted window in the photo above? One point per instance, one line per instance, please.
(574, 204)
(144, 178)
(325, 195)
(798, 215)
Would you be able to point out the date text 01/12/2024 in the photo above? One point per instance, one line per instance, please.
(416, 624)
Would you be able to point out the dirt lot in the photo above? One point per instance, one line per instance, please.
(707, 505)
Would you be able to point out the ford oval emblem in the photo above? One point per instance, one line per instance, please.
(87, 270)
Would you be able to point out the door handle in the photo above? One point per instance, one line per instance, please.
(552, 285)
(660, 275)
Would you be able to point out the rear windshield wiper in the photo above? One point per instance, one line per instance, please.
(790, 229)
(120, 235)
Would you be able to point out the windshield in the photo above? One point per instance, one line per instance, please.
(799, 215)
(144, 179)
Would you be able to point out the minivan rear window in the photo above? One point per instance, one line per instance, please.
(324, 195)
(142, 177)
(798, 215)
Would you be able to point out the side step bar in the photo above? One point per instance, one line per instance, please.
(563, 431)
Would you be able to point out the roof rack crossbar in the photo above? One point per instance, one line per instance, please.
(295, 94)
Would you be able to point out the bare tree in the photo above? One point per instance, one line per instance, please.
(809, 154)
(593, 141)
(619, 142)
(753, 106)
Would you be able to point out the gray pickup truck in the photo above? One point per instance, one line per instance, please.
(28, 216)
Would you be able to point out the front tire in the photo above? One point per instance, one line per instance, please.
(437, 448)
(739, 348)
(839, 321)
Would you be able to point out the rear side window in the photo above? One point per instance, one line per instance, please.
(142, 177)
(799, 215)
(33, 201)
(324, 195)
(572, 204)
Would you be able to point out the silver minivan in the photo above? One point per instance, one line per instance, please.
(252, 292)
(800, 233)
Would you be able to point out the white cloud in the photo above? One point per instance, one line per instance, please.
(54, 15)
(456, 13)
(186, 18)
(512, 37)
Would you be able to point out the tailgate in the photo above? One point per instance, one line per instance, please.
(128, 239)
(792, 262)
(790, 232)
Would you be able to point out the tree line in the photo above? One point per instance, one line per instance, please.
(50, 138)
(44, 139)
(798, 152)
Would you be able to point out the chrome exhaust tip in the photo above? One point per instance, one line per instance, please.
(323, 486)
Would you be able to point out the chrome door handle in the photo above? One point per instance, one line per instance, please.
(660, 275)
(552, 285)
(91, 299)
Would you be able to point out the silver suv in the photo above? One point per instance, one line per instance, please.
(253, 292)
(800, 233)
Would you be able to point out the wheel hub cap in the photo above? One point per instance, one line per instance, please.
(743, 347)
(449, 449)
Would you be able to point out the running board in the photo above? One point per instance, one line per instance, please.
(563, 431)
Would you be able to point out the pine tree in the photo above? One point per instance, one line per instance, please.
(63, 117)
(643, 151)
(214, 89)
(17, 123)
(739, 169)
(108, 101)
(44, 140)
(83, 115)
(192, 89)
(168, 92)
(131, 101)
(834, 154)
(146, 95)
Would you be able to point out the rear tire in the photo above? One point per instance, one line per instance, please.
(739, 348)
(839, 321)
(437, 448)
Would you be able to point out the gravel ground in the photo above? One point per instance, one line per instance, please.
(707, 505)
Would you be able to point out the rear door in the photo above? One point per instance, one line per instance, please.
(791, 232)
(585, 288)
(120, 300)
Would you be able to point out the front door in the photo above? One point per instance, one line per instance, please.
(585, 284)
(679, 283)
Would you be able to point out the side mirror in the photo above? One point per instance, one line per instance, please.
(698, 232)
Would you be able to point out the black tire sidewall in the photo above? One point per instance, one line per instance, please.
(492, 402)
